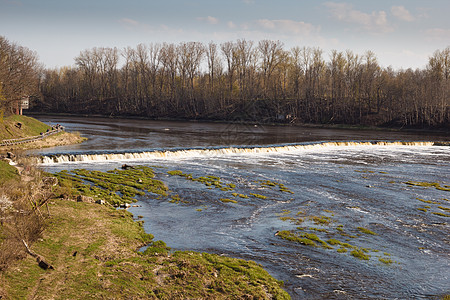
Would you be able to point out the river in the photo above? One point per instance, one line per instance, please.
(388, 200)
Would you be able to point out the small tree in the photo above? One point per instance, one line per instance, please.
(2, 103)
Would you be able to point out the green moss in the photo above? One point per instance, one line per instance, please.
(427, 201)
(440, 214)
(359, 254)
(342, 250)
(444, 208)
(334, 242)
(365, 171)
(175, 173)
(175, 199)
(287, 235)
(258, 196)
(272, 184)
(115, 186)
(226, 200)
(315, 238)
(386, 261)
(318, 229)
(429, 184)
(284, 212)
(422, 209)
(322, 220)
(366, 231)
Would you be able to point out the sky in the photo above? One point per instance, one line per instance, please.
(403, 34)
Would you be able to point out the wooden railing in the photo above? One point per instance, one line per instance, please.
(12, 142)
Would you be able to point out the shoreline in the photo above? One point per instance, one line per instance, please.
(93, 249)
(60, 139)
(244, 122)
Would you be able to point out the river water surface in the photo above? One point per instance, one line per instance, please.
(290, 179)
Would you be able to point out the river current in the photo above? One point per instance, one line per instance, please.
(386, 199)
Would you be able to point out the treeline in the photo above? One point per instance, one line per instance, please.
(247, 81)
(20, 74)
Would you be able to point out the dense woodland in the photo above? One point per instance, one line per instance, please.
(247, 81)
(20, 74)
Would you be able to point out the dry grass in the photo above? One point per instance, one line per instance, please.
(59, 139)
(92, 248)
(21, 212)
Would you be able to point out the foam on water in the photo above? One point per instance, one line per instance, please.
(208, 152)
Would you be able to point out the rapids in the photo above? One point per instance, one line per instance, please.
(384, 194)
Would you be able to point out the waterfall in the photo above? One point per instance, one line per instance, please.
(186, 153)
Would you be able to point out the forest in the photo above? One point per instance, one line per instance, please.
(242, 81)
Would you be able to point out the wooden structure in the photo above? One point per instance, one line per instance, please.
(22, 104)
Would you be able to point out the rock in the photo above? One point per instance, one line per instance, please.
(50, 181)
(140, 181)
(101, 202)
(82, 198)
(43, 264)
(127, 167)
(125, 205)
(10, 155)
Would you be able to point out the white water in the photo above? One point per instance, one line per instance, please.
(190, 153)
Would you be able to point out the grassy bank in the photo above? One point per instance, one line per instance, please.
(7, 172)
(93, 249)
(18, 126)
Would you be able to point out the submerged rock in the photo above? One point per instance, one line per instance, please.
(82, 198)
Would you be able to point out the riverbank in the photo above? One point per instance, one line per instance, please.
(260, 123)
(18, 126)
(93, 251)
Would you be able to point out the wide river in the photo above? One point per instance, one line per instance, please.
(387, 201)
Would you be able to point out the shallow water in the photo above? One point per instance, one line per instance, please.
(353, 186)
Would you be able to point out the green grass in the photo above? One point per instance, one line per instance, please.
(7, 172)
(93, 250)
(30, 127)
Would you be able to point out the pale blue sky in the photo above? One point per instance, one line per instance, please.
(402, 33)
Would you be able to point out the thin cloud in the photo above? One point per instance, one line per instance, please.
(231, 25)
(287, 26)
(376, 21)
(438, 34)
(129, 22)
(400, 12)
(209, 19)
